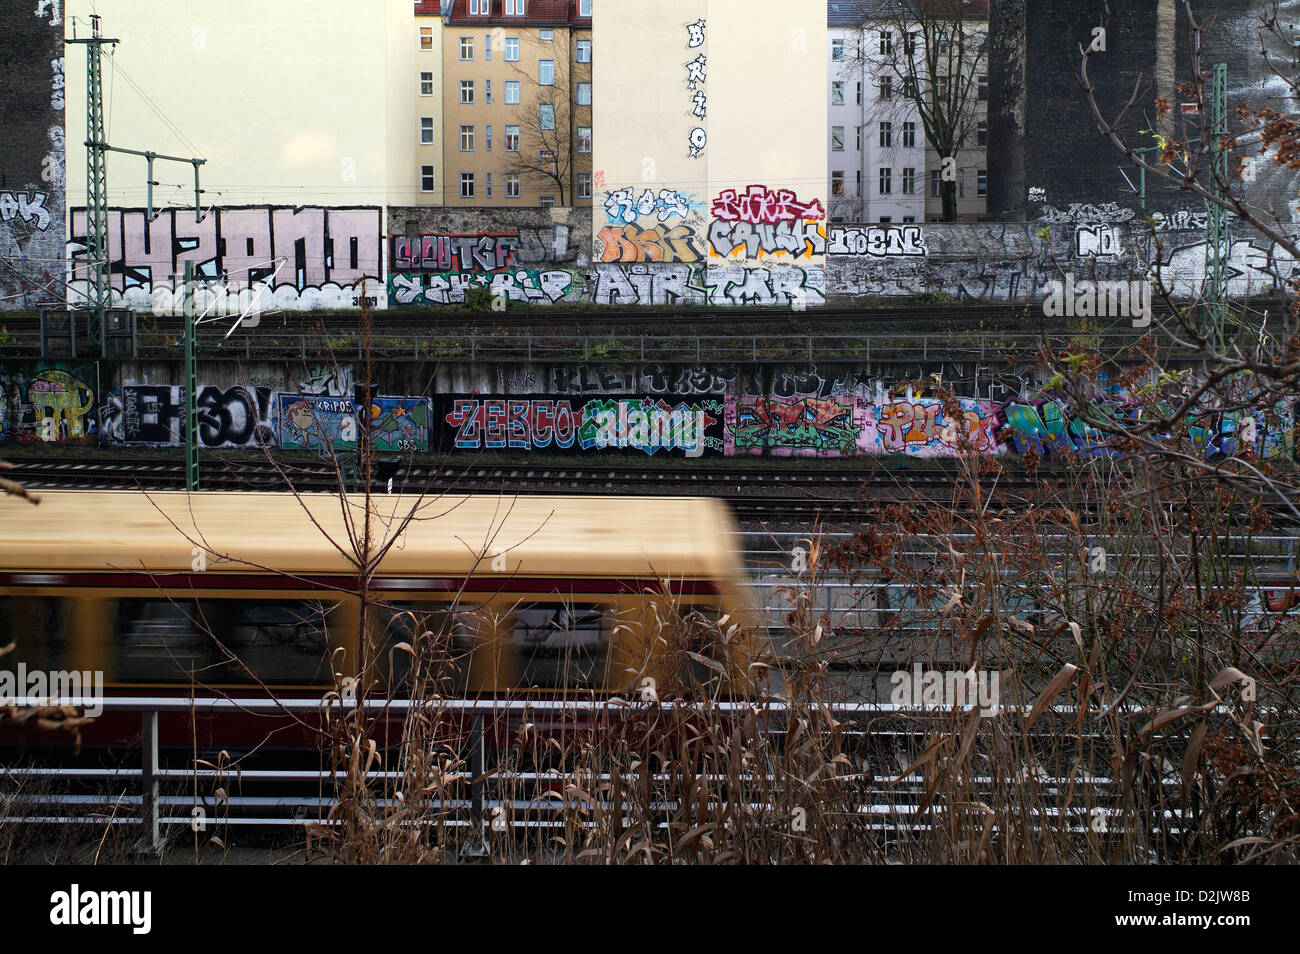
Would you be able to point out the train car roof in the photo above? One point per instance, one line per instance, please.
(674, 537)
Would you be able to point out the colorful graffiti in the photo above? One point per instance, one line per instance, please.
(441, 252)
(320, 423)
(54, 405)
(658, 243)
(784, 239)
(686, 426)
(804, 427)
(294, 258)
(924, 428)
(625, 206)
(524, 286)
(760, 205)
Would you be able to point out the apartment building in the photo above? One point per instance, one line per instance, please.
(515, 104)
(881, 167)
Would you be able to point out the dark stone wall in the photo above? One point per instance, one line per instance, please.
(31, 153)
(1066, 157)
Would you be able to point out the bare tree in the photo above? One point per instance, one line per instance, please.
(548, 135)
(927, 57)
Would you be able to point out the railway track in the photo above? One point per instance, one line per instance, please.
(757, 495)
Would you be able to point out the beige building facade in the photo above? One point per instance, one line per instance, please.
(516, 103)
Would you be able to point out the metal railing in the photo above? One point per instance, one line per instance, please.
(693, 349)
(889, 805)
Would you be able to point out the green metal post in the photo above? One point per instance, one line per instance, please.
(97, 288)
(191, 386)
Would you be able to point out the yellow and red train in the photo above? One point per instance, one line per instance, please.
(233, 592)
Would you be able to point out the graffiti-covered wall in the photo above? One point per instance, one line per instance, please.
(936, 408)
(32, 154)
(255, 258)
(1020, 262)
(711, 190)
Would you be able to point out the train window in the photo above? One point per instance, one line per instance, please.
(37, 626)
(560, 645)
(280, 641)
(443, 637)
(158, 641)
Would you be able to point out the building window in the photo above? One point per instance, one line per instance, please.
(487, 185)
(545, 36)
(546, 159)
(837, 182)
(487, 91)
(426, 178)
(426, 39)
(512, 139)
(886, 87)
(466, 138)
(512, 49)
(859, 92)
(858, 131)
(584, 51)
(908, 219)
(546, 201)
(426, 130)
(837, 51)
(479, 8)
(886, 43)
(909, 135)
(886, 180)
(487, 47)
(545, 115)
(837, 94)
(942, 83)
(466, 92)
(467, 48)
(546, 72)
(584, 8)
(886, 135)
(467, 185)
(982, 182)
(936, 183)
(584, 94)
(909, 180)
(584, 185)
(512, 185)
(426, 84)
(982, 134)
(584, 139)
(909, 87)
(983, 84)
(886, 219)
(512, 92)
(487, 140)
(837, 139)
(514, 8)
(909, 44)
(857, 177)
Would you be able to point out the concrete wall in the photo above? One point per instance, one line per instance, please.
(32, 154)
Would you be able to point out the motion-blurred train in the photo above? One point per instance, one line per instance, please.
(173, 593)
